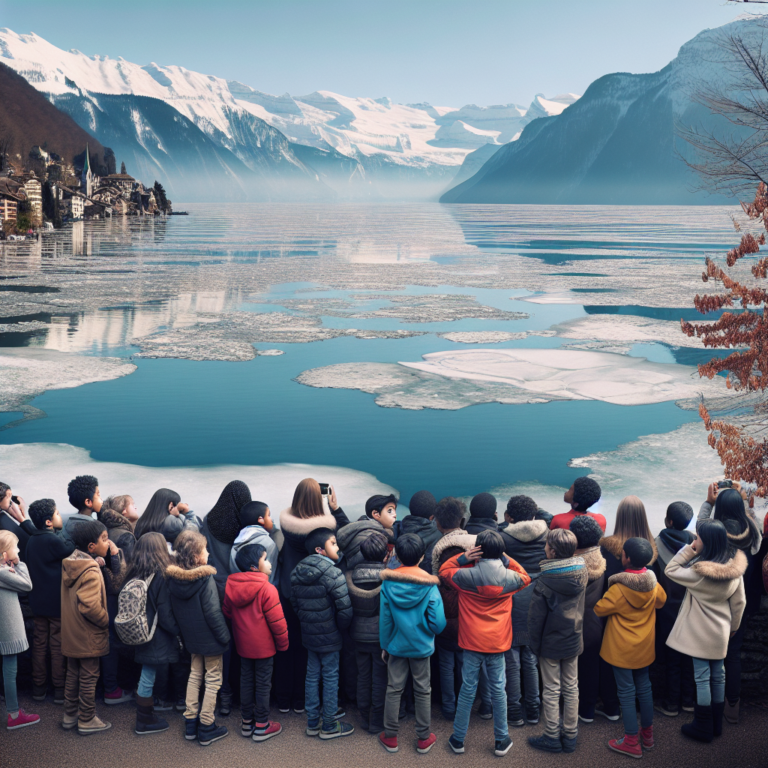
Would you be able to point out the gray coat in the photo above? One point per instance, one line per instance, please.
(13, 638)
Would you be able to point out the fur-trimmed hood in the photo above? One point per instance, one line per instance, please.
(594, 561)
(615, 544)
(410, 575)
(115, 521)
(455, 538)
(733, 569)
(527, 530)
(365, 574)
(640, 587)
(182, 574)
(303, 526)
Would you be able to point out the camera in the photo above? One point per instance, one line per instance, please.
(15, 500)
(325, 489)
(725, 483)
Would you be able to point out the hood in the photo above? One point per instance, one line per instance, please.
(223, 521)
(74, 566)
(733, 569)
(77, 518)
(615, 544)
(345, 536)
(303, 526)
(408, 585)
(114, 520)
(251, 535)
(244, 588)
(527, 530)
(311, 569)
(670, 541)
(455, 538)
(365, 580)
(594, 561)
(641, 587)
(417, 525)
(477, 524)
(186, 584)
(567, 577)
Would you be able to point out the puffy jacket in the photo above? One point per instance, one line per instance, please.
(84, 617)
(258, 623)
(163, 648)
(320, 599)
(411, 612)
(593, 624)
(45, 551)
(364, 586)
(425, 529)
(351, 536)
(477, 525)
(485, 590)
(197, 610)
(631, 602)
(556, 613)
(256, 534)
(120, 530)
(668, 543)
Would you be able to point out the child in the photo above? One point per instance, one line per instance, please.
(364, 586)
(84, 625)
(320, 599)
(252, 603)
(14, 578)
(257, 525)
(196, 608)
(485, 579)
(583, 494)
(380, 515)
(85, 496)
(119, 514)
(482, 514)
(421, 521)
(150, 563)
(709, 615)
(14, 519)
(555, 621)
(411, 615)
(45, 551)
(524, 540)
(678, 667)
(629, 642)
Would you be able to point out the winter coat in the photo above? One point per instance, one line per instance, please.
(425, 529)
(252, 604)
(631, 602)
(668, 543)
(563, 520)
(256, 534)
(84, 616)
(22, 531)
(411, 612)
(45, 551)
(593, 625)
(353, 535)
(120, 531)
(72, 522)
(320, 599)
(556, 613)
(113, 571)
(611, 548)
(485, 590)
(477, 525)
(364, 587)
(713, 605)
(197, 610)
(524, 543)
(13, 638)
(163, 648)
(218, 557)
(295, 531)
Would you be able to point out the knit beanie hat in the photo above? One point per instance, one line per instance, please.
(223, 520)
(423, 504)
(483, 505)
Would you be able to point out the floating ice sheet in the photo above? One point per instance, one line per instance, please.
(490, 337)
(626, 328)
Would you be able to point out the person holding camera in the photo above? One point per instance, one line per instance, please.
(14, 518)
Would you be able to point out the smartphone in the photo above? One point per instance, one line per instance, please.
(15, 500)
(325, 489)
(725, 483)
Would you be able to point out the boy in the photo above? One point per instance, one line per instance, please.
(85, 497)
(524, 540)
(482, 514)
(583, 494)
(631, 602)
(259, 629)
(256, 528)
(84, 625)
(555, 620)
(678, 669)
(380, 515)
(421, 521)
(485, 579)
(320, 600)
(411, 615)
(13, 518)
(45, 551)
(364, 585)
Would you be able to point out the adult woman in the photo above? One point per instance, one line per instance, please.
(164, 502)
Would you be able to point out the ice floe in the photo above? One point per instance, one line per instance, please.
(626, 328)
(269, 352)
(490, 337)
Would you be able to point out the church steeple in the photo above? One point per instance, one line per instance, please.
(86, 180)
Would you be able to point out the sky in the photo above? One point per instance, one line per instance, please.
(445, 52)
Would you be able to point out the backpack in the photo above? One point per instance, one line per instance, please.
(131, 622)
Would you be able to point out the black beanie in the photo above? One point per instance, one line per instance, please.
(422, 504)
(483, 505)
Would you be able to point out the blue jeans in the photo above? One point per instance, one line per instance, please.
(147, 681)
(631, 684)
(10, 667)
(530, 673)
(473, 663)
(323, 666)
(709, 675)
(451, 665)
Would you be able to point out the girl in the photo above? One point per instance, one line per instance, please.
(14, 578)
(710, 613)
(151, 560)
(164, 502)
(119, 514)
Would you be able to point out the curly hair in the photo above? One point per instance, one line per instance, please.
(587, 531)
(521, 508)
(586, 492)
(41, 511)
(449, 512)
(82, 488)
(188, 546)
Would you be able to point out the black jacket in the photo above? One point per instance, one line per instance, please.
(611, 547)
(163, 648)
(426, 530)
(668, 543)
(120, 531)
(593, 624)
(320, 599)
(364, 586)
(218, 552)
(22, 531)
(354, 534)
(197, 610)
(45, 551)
(477, 525)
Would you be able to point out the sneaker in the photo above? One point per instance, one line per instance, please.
(207, 734)
(163, 706)
(68, 722)
(22, 720)
(515, 717)
(456, 745)
(485, 711)
(340, 729)
(181, 705)
(190, 728)
(341, 712)
(390, 744)
(264, 731)
(38, 692)
(626, 745)
(687, 706)
(246, 728)
(607, 715)
(545, 743)
(568, 743)
(587, 713)
(58, 695)
(153, 725)
(532, 715)
(501, 747)
(225, 705)
(283, 710)
(731, 712)
(298, 710)
(313, 727)
(118, 696)
(424, 745)
(586, 719)
(646, 737)
(670, 710)
(94, 725)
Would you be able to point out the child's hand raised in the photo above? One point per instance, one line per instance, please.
(474, 554)
(113, 550)
(712, 490)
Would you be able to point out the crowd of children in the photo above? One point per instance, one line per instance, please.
(321, 612)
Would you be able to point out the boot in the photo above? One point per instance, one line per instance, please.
(717, 718)
(701, 727)
(646, 737)
(732, 712)
(146, 720)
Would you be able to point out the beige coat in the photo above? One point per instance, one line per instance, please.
(713, 604)
(84, 617)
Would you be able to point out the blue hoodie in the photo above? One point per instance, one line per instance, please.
(411, 612)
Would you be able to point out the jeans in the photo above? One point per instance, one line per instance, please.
(147, 681)
(325, 667)
(710, 677)
(631, 684)
(522, 659)
(560, 676)
(371, 686)
(80, 688)
(473, 662)
(450, 667)
(10, 667)
(212, 668)
(47, 636)
(255, 687)
(397, 673)
(733, 664)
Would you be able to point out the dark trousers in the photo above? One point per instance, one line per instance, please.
(678, 676)
(291, 665)
(371, 685)
(733, 664)
(607, 688)
(171, 680)
(589, 679)
(255, 687)
(47, 637)
(80, 688)
(109, 663)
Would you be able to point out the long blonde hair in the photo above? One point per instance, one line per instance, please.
(631, 520)
(307, 499)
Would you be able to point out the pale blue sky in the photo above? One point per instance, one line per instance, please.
(447, 52)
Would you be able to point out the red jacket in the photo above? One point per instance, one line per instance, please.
(485, 600)
(258, 622)
(563, 520)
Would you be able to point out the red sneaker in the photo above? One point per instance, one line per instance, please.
(118, 696)
(262, 732)
(390, 744)
(627, 745)
(646, 737)
(21, 720)
(424, 745)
